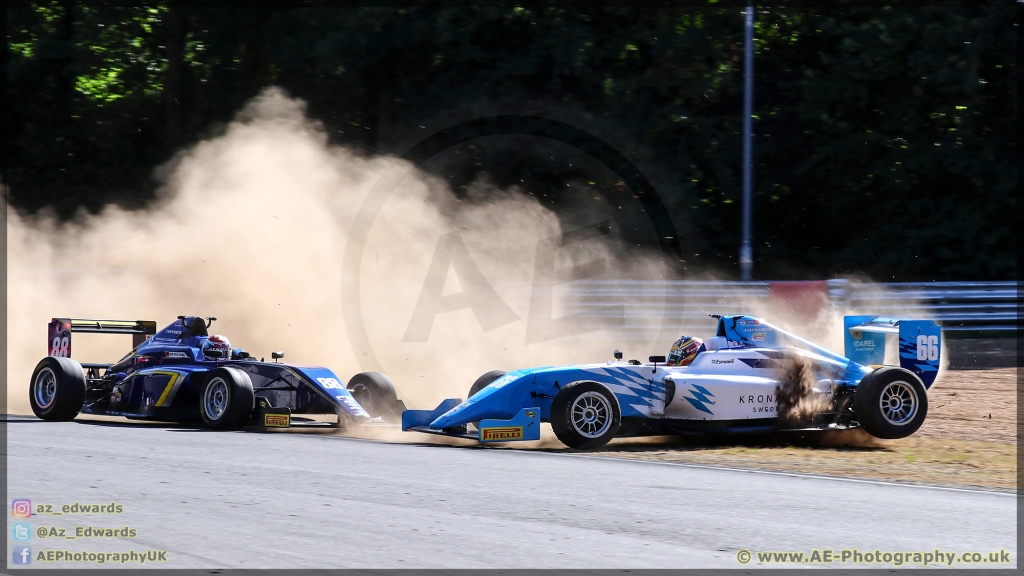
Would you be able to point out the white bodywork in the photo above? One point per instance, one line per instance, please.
(718, 385)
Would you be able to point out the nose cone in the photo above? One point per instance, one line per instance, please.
(501, 400)
(348, 405)
(461, 414)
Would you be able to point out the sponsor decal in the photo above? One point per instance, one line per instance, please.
(759, 335)
(758, 399)
(175, 355)
(766, 401)
(729, 361)
(750, 323)
(351, 403)
(863, 343)
(503, 381)
(502, 433)
(276, 420)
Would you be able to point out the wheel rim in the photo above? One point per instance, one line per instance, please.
(362, 395)
(217, 397)
(591, 414)
(45, 388)
(898, 403)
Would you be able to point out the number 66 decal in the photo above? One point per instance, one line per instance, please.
(927, 347)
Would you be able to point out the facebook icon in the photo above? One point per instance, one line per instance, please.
(21, 555)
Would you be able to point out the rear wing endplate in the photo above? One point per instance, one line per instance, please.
(60, 329)
(920, 343)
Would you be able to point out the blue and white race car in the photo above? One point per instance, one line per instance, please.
(751, 376)
(183, 373)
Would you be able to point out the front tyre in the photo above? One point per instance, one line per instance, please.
(226, 400)
(585, 415)
(483, 381)
(890, 403)
(374, 392)
(57, 389)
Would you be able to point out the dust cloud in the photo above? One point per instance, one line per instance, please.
(250, 226)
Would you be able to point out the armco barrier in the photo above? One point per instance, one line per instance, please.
(959, 306)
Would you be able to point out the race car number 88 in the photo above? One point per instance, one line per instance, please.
(329, 383)
(927, 347)
(59, 347)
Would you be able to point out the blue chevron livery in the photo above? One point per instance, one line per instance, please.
(750, 376)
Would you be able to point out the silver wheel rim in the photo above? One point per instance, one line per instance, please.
(591, 414)
(45, 388)
(216, 399)
(898, 403)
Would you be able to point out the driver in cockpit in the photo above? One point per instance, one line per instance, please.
(217, 346)
(684, 351)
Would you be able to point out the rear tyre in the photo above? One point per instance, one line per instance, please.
(374, 392)
(484, 380)
(890, 403)
(226, 400)
(57, 389)
(585, 415)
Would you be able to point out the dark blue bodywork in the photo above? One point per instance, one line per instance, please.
(161, 379)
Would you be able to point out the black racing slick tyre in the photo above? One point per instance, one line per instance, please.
(585, 415)
(484, 380)
(57, 389)
(374, 392)
(226, 400)
(890, 403)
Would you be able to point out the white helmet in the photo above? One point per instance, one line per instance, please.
(217, 346)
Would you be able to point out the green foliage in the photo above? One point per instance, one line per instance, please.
(885, 139)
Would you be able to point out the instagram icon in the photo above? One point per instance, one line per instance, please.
(21, 508)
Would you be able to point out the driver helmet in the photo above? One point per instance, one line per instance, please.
(217, 344)
(685, 350)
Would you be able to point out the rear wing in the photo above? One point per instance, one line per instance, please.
(59, 332)
(920, 343)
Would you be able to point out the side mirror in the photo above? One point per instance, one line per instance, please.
(656, 360)
(277, 355)
(618, 355)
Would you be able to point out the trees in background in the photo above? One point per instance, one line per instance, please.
(885, 137)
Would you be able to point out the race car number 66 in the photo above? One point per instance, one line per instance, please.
(59, 347)
(927, 347)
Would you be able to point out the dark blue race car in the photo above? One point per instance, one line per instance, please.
(182, 373)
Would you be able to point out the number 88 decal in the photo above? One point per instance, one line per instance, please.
(59, 347)
(927, 347)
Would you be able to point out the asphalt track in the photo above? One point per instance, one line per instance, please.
(285, 500)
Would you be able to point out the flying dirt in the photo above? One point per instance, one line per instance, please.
(250, 226)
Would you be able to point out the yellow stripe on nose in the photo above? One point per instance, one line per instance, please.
(170, 386)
